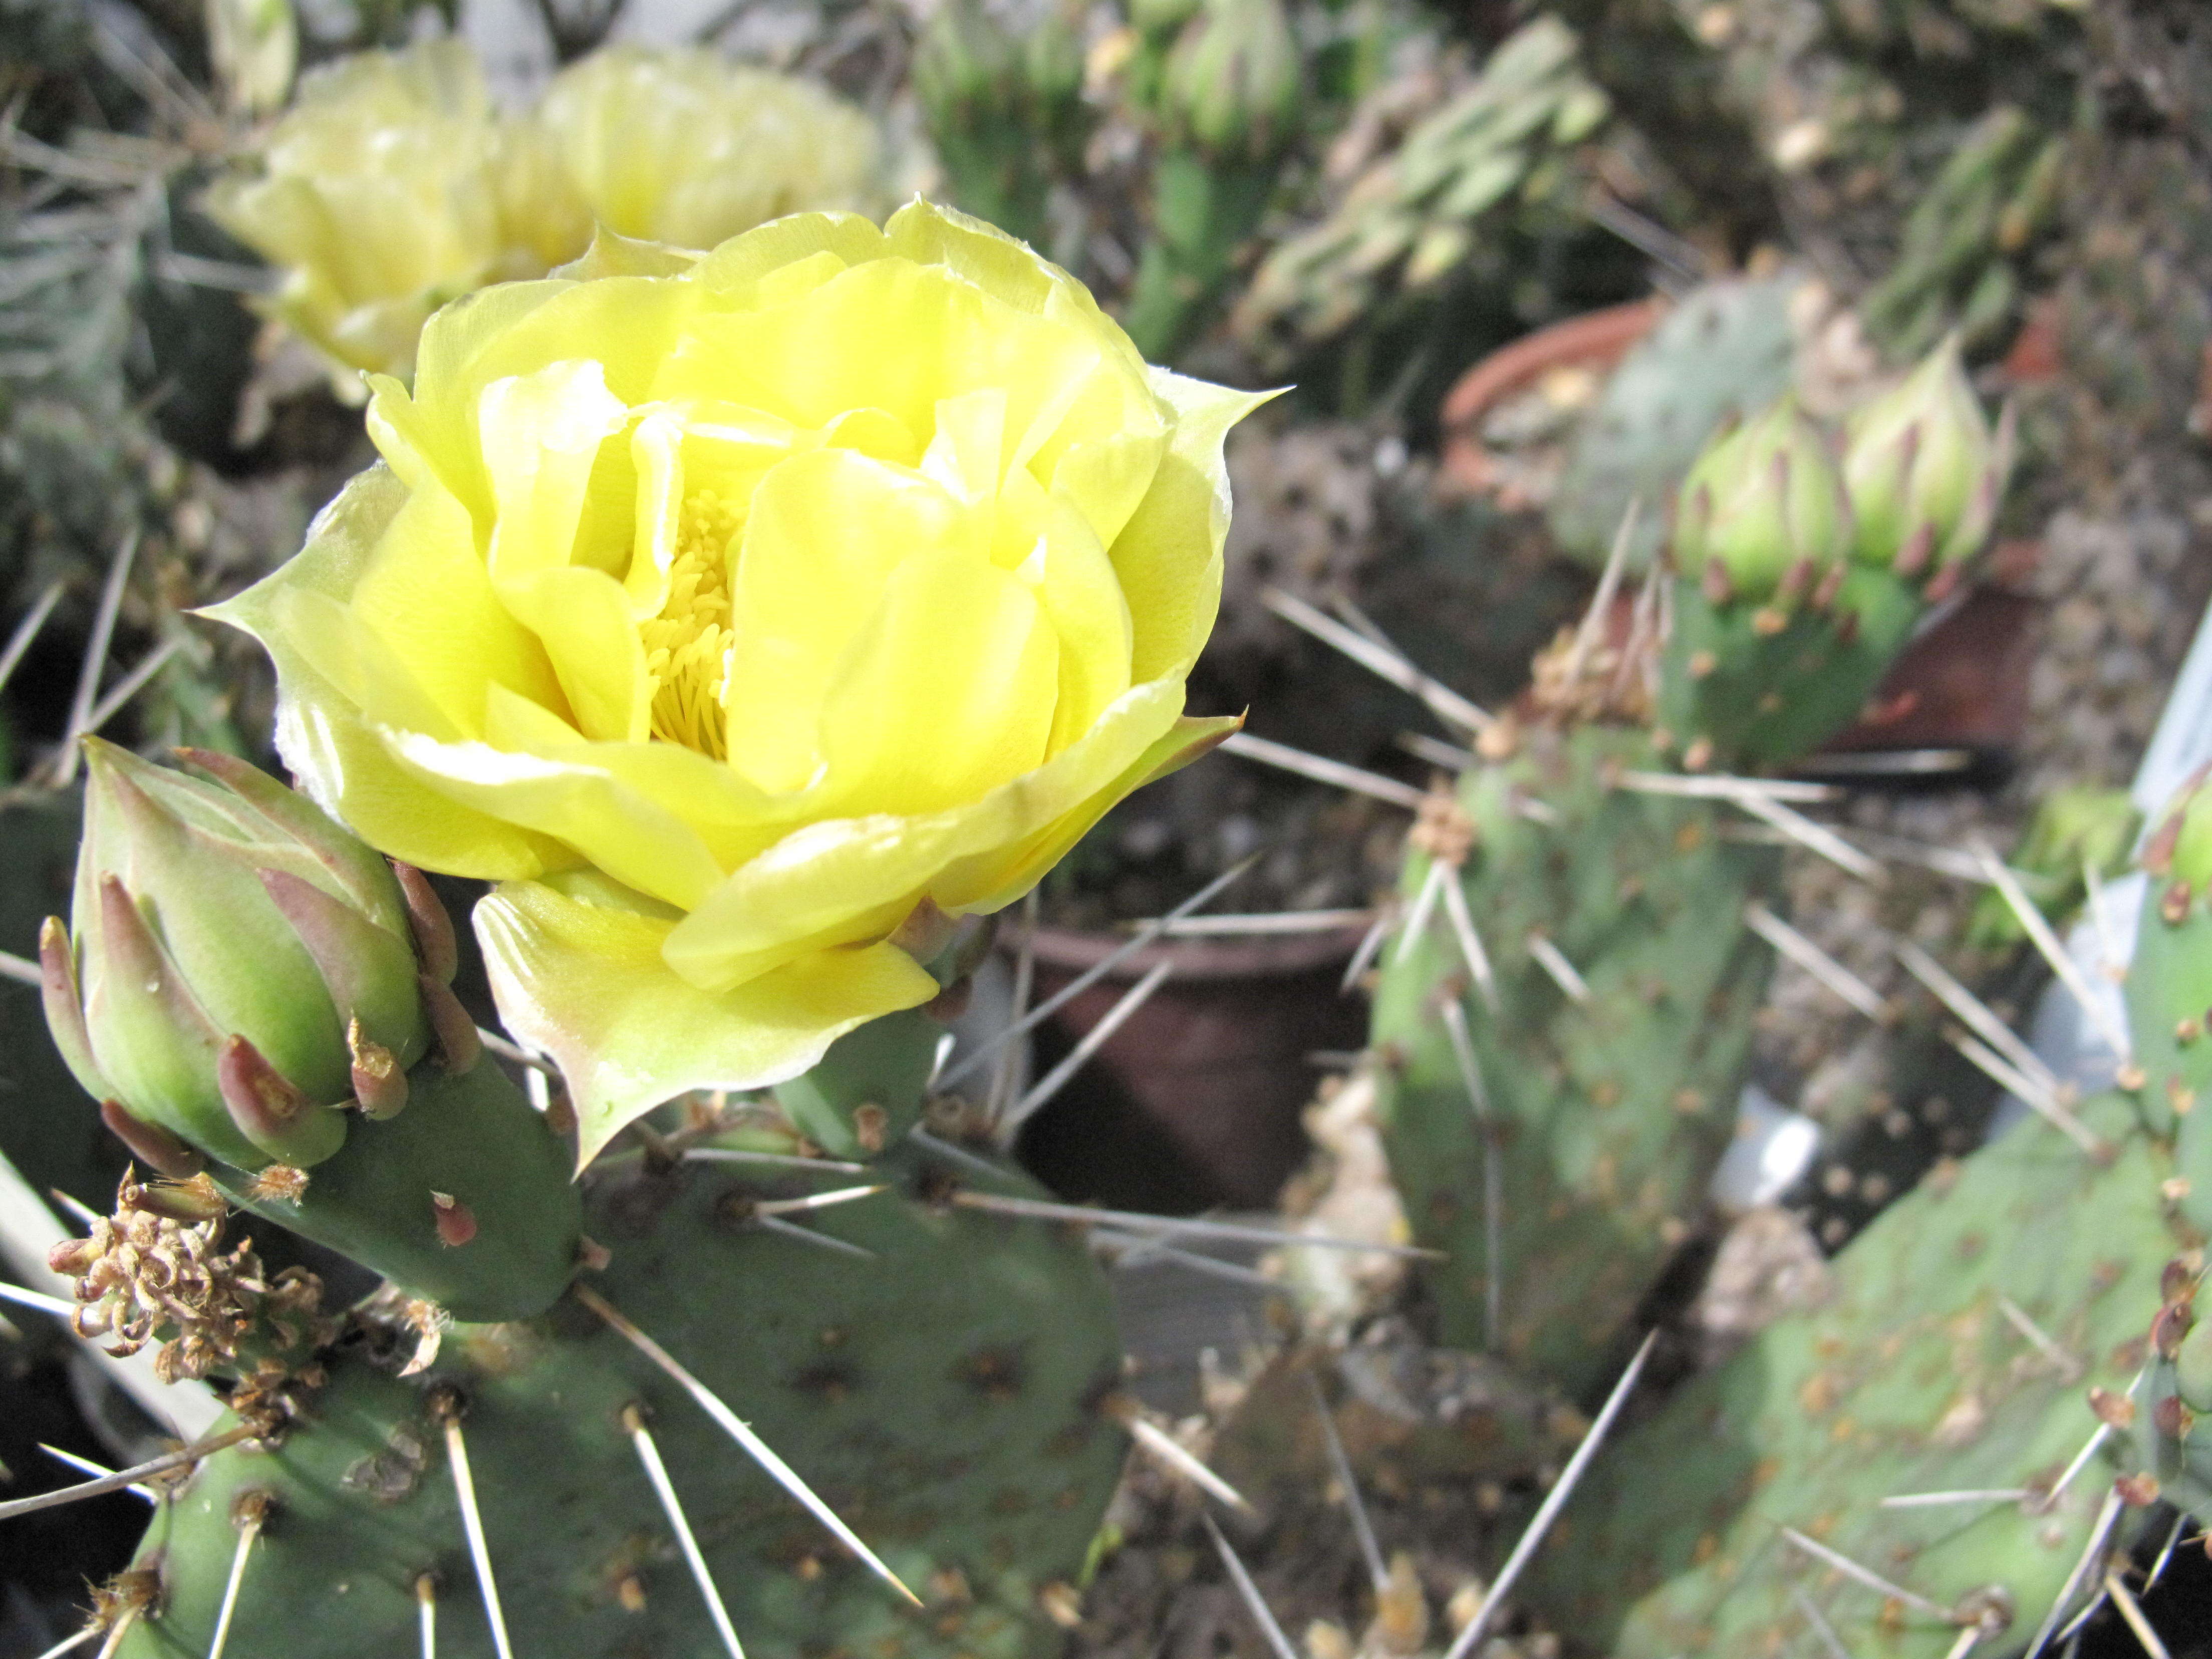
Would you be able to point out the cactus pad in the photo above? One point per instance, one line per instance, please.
(1914, 1379)
(1609, 1113)
(941, 1397)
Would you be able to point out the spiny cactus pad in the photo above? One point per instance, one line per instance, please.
(1913, 1379)
(1762, 686)
(943, 1398)
(1610, 1113)
(469, 1136)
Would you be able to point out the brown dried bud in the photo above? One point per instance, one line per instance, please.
(2114, 1410)
(2138, 1492)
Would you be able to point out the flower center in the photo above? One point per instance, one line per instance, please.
(688, 646)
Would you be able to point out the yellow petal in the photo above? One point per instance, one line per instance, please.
(586, 983)
(902, 734)
(991, 881)
(425, 565)
(736, 268)
(1075, 582)
(340, 755)
(1168, 557)
(845, 872)
(826, 529)
(629, 325)
(636, 840)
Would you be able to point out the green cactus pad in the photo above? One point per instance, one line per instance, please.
(941, 1397)
(471, 1136)
(1912, 1379)
(1611, 1113)
(1764, 696)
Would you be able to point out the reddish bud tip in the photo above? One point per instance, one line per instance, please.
(436, 946)
(1919, 547)
(2177, 1281)
(2172, 1418)
(378, 1084)
(150, 1144)
(2171, 1325)
(456, 1222)
(64, 1006)
(1713, 581)
(264, 1103)
(1831, 582)
(459, 1047)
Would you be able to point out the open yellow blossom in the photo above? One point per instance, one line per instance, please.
(393, 185)
(727, 609)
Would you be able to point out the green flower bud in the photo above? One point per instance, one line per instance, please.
(1232, 88)
(1762, 512)
(238, 965)
(965, 67)
(1925, 470)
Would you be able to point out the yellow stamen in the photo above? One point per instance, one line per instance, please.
(687, 646)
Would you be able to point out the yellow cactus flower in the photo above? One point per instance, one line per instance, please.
(679, 146)
(391, 187)
(730, 610)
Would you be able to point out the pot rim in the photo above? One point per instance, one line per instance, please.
(1073, 949)
(1598, 338)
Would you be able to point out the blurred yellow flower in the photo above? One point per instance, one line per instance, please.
(393, 185)
(684, 147)
(725, 609)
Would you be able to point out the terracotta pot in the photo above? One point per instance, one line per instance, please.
(1953, 702)
(1597, 340)
(1195, 1100)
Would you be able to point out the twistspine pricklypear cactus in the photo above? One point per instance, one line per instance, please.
(2005, 1376)
(942, 1392)
(1559, 1067)
(1605, 1109)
